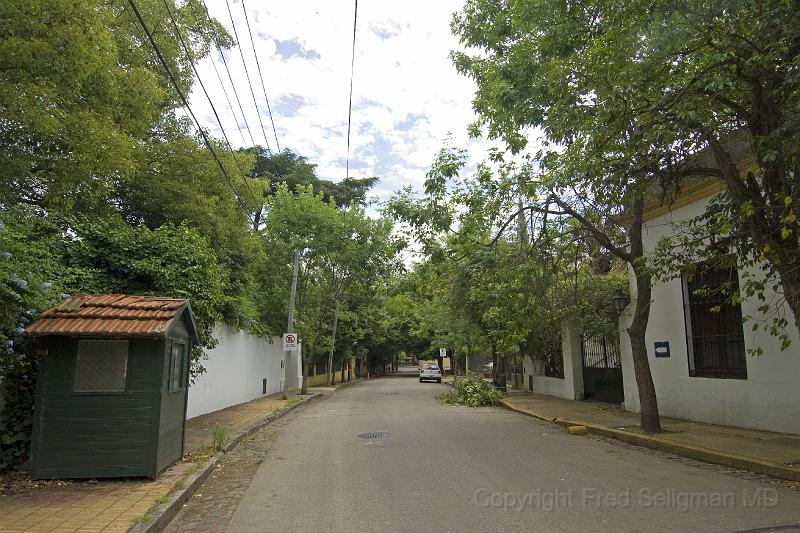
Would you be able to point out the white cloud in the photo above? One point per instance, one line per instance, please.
(407, 96)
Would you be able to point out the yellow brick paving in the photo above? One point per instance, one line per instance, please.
(110, 505)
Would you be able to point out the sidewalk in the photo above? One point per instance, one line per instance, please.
(763, 452)
(118, 504)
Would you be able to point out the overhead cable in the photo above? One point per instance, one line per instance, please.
(261, 75)
(350, 105)
(185, 102)
(247, 74)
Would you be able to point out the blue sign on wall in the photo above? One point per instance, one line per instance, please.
(662, 348)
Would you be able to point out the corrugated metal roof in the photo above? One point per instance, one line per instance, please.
(109, 314)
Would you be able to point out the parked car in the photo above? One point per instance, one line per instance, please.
(430, 373)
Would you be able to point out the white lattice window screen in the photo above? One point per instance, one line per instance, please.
(101, 366)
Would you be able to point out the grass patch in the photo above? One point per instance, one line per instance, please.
(149, 515)
(218, 439)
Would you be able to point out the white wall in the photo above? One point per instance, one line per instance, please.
(235, 369)
(570, 386)
(768, 399)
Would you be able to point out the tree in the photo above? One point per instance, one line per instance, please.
(80, 90)
(286, 167)
(342, 249)
(362, 251)
(733, 83)
(608, 159)
(489, 283)
(102, 188)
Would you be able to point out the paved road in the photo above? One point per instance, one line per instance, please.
(448, 468)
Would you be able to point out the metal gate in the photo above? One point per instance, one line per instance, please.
(602, 369)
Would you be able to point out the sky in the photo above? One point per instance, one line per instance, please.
(407, 95)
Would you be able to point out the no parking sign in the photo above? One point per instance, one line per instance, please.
(289, 342)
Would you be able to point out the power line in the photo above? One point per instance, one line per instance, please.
(350, 105)
(228, 99)
(180, 93)
(233, 86)
(247, 73)
(261, 75)
(230, 104)
(210, 102)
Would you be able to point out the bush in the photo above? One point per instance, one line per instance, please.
(473, 391)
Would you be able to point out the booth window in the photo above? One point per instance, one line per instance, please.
(101, 366)
(714, 332)
(176, 361)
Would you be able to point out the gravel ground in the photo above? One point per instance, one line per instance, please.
(211, 507)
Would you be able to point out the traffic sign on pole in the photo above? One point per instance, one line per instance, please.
(289, 342)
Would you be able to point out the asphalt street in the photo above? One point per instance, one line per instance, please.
(448, 468)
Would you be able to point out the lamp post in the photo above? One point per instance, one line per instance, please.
(620, 300)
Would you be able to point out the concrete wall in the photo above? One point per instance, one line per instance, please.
(768, 399)
(570, 386)
(235, 369)
(320, 379)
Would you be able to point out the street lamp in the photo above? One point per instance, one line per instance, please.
(621, 300)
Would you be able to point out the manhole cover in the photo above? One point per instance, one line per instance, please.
(376, 435)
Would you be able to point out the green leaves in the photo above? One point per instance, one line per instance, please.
(347, 257)
(80, 94)
(472, 391)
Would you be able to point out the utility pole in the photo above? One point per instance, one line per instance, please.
(331, 373)
(287, 355)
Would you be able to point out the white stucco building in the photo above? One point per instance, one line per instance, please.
(700, 359)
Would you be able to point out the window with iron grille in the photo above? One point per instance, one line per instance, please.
(714, 332)
(176, 368)
(553, 358)
(101, 366)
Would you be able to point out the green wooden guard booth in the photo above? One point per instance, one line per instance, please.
(112, 386)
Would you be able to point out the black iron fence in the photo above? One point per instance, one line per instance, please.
(601, 351)
(602, 369)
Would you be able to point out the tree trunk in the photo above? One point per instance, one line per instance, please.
(500, 376)
(306, 367)
(333, 346)
(650, 420)
(306, 354)
(494, 364)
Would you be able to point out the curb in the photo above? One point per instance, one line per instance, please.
(686, 450)
(167, 511)
(348, 383)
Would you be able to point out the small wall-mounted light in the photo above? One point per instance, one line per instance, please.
(621, 300)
